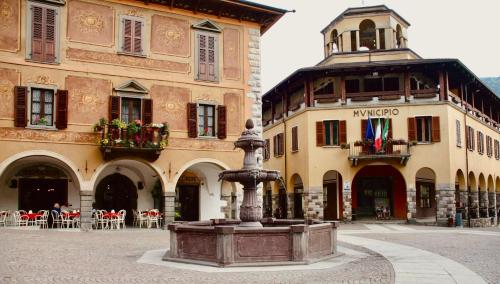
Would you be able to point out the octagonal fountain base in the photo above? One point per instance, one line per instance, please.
(223, 243)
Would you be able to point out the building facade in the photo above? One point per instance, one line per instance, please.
(438, 127)
(127, 104)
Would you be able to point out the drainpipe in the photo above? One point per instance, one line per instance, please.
(467, 159)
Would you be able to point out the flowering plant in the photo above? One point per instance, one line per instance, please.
(163, 144)
(104, 141)
(118, 123)
(134, 126)
(156, 125)
(205, 132)
(41, 121)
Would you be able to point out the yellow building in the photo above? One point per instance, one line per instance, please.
(124, 104)
(376, 131)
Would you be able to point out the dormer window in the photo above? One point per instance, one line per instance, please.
(367, 34)
(207, 51)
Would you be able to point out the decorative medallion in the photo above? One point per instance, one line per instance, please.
(170, 35)
(90, 22)
(134, 13)
(6, 15)
(41, 80)
(87, 100)
(5, 95)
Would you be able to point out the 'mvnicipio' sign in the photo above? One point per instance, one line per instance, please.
(376, 112)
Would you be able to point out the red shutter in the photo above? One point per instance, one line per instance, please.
(479, 144)
(364, 125)
(343, 131)
(221, 122)
(127, 35)
(436, 132)
(412, 126)
(62, 109)
(114, 107)
(50, 35)
(147, 111)
(212, 53)
(37, 33)
(472, 141)
(192, 120)
(20, 102)
(281, 144)
(320, 133)
(295, 140)
(137, 37)
(202, 57)
(275, 145)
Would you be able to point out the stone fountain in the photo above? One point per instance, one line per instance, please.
(251, 240)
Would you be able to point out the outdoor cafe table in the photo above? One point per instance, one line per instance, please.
(32, 216)
(71, 214)
(110, 215)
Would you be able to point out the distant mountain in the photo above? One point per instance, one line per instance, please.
(493, 83)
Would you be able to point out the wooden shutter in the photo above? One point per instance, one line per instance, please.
(479, 144)
(364, 125)
(267, 149)
(62, 109)
(343, 132)
(472, 141)
(50, 36)
(114, 107)
(127, 35)
(212, 54)
(37, 33)
(295, 140)
(137, 37)
(147, 111)
(202, 57)
(20, 102)
(275, 145)
(221, 122)
(320, 133)
(436, 132)
(192, 114)
(412, 129)
(281, 148)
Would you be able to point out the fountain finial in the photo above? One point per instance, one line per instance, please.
(249, 124)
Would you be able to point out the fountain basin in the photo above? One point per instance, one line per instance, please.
(221, 242)
(253, 176)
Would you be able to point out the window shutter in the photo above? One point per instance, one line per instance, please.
(20, 101)
(267, 149)
(62, 109)
(137, 37)
(320, 133)
(37, 33)
(49, 49)
(412, 134)
(436, 132)
(202, 57)
(343, 132)
(212, 54)
(364, 124)
(192, 120)
(114, 107)
(472, 146)
(221, 122)
(147, 111)
(295, 140)
(281, 147)
(275, 145)
(127, 35)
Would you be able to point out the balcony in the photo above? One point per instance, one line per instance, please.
(393, 150)
(119, 140)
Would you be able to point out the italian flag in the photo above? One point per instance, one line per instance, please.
(378, 137)
(385, 133)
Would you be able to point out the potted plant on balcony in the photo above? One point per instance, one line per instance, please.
(99, 126)
(115, 128)
(41, 121)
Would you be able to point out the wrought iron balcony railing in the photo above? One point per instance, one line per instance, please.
(366, 150)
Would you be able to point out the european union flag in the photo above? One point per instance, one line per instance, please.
(369, 131)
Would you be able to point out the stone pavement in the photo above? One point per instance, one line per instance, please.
(373, 254)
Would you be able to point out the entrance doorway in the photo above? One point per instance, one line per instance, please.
(41, 194)
(332, 196)
(376, 187)
(116, 192)
(187, 195)
(425, 181)
(282, 213)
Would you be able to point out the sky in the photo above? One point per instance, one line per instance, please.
(463, 29)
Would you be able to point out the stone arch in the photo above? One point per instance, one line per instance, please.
(482, 182)
(460, 191)
(332, 196)
(15, 188)
(334, 41)
(460, 180)
(367, 34)
(491, 185)
(425, 183)
(497, 184)
(472, 182)
(297, 200)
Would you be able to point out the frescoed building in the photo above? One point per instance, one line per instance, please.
(440, 154)
(127, 104)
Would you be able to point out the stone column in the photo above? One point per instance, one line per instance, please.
(493, 204)
(290, 205)
(464, 197)
(169, 209)
(314, 203)
(474, 204)
(347, 198)
(377, 39)
(254, 84)
(483, 201)
(86, 199)
(411, 203)
(445, 202)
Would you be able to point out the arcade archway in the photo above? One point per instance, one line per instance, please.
(425, 182)
(332, 196)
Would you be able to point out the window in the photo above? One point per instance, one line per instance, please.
(391, 84)
(470, 138)
(424, 129)
(331, 132)
(352, 86)
(458, 133)
(354, 45)
(42, 107)
(131, 109)
(425, 194)
(489, 146)
(480, 142)
(295, 139)
(42, 42)
(207, 56)
(278, 142)
(131, 31)
(497, 150)
(381, 38)
(367, 35)
(267, 150)
(206, 120)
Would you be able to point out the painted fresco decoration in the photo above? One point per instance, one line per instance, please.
(9, 25)
(88, 100)
(6, 14)
(231, 61)
(170, 36)
(90, 23)
(170, 105)
(8, 79)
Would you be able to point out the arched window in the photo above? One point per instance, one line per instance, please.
(367, 34)
(399, 37)
(334, 41)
